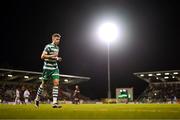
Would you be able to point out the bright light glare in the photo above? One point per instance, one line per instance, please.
(66, 80)
(10, 75)
(26, 77)
(108, 32)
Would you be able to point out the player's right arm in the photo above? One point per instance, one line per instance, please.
(45, 55)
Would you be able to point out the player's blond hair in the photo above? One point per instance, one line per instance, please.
(56, 35)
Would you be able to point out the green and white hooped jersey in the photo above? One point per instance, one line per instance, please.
(51, 64)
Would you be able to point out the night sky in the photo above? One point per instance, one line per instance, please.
(152, 42)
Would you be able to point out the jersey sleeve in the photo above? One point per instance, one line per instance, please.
(47, 49)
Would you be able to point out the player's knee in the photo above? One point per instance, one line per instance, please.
(56, 82)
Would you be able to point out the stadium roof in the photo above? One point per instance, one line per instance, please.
(11, 76)
(158, 77)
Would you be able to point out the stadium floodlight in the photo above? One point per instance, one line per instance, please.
(142, 75)
(108, 32)
(175, 73)
(26, 77)
(167, 73)
(150, 74)
(10, 75)
(66, 80)
(158, 74)
(40, 78)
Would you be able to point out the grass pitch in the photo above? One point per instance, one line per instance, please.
(91, 111)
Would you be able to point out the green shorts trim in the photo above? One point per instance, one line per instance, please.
(50, 74)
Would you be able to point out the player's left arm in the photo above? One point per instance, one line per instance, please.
(57, 58)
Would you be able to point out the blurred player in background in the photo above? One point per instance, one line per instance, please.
(76, 95)
(26, 96)
(17, 97)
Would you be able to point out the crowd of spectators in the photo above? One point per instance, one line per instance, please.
(162, 93)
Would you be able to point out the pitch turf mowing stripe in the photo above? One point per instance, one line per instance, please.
(92, 111)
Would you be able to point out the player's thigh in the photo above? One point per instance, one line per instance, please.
(46, 75)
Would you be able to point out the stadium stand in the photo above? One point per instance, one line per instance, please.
(163, 86)
(11, 79)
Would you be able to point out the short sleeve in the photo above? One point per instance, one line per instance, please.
(47, 49)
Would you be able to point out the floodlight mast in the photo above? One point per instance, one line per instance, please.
(108, 32)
